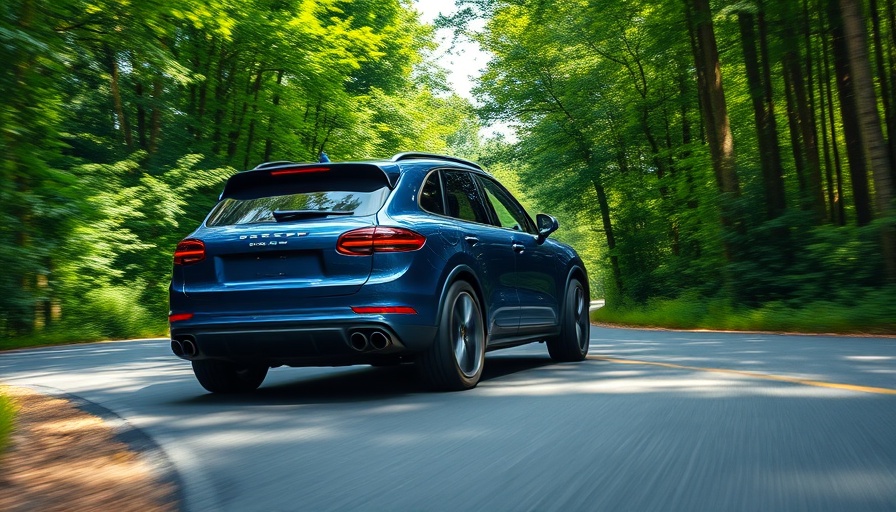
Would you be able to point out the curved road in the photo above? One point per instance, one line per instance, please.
(653, 420)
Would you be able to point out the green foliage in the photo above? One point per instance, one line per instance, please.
(870, 313)
(120, 122)
(132, 222)
(116, 312)
(7, 415)
(605, 100)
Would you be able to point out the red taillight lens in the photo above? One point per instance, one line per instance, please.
(400, 310)
(180, 317)
(299, 170)
(365, 241)
(189, 251)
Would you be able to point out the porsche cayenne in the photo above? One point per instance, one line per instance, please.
(419, 258)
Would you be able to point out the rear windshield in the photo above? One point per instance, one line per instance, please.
(254, 210)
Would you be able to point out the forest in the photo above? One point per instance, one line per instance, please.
(718, 164)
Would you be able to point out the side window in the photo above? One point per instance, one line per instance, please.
(431, 194)
(510, 214)
(462, 197)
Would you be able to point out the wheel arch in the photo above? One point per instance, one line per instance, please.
(463, 273)
(578, 272)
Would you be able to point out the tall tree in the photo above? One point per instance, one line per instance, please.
(858, 167)
(870, 125)
(763, 112)
(715, 110)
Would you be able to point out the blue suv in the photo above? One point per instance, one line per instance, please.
(419, 258)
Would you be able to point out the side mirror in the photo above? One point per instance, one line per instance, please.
(546, 226)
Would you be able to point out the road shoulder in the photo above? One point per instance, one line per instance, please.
(63, 458)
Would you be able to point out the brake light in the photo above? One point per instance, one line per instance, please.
(189, 251)
(299, 170)
(179, 317)
(400, 310)
(366, 241)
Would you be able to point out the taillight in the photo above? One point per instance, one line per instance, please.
(179, 317)
(189, 251)
(299, 170)
(365, 241)
(369, 310)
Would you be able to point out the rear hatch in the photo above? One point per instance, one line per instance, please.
(270, 242)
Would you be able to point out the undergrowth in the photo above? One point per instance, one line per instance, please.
(872, 313)
(7, 414)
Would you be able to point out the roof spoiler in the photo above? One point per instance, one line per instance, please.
(272, 174)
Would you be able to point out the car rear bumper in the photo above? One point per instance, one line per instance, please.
(276, 342)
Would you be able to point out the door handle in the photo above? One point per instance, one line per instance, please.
(518, 247)
(472, 240)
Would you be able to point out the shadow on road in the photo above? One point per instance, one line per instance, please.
(354, 385)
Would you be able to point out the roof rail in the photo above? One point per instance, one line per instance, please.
(432, 156)
(267, 165)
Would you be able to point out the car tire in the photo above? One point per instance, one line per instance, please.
(455, 360)
(575, 326)
(226, 377)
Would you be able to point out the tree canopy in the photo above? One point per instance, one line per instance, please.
(728, 150)
(121, 120)
(725, 149)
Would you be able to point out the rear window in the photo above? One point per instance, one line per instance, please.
(356, 201)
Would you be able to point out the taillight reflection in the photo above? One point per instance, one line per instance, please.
(189, 251)
(365, 241)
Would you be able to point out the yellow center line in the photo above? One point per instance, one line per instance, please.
(755, 375)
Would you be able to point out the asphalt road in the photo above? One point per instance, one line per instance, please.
(653, 420)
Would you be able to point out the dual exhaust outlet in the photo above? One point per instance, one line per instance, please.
(372, 340)
(361, 341)
(185, 347)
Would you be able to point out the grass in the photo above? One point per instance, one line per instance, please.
(872, 314)
(7, 414)
(67, 333)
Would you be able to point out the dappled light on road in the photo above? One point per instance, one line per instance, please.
(652, 420)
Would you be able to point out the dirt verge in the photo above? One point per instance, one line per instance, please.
(61, 458)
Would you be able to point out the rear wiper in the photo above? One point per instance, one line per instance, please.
(283, 215)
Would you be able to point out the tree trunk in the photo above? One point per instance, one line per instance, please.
(849, 116)
(250, 136)
(223, 85)
(269, 141)
(715, 112)
(870, 126)
(766, 127)
(885, 85)
(604, 206)
(805, 148)
(142, 139)
(156, 117)
(829, 137)
(114, 88)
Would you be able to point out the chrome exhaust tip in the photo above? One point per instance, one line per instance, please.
(358, 341)
(379, 340)
(190, 348)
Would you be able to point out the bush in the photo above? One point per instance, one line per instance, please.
(108, 313)
(872, 312)
(115, 312)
